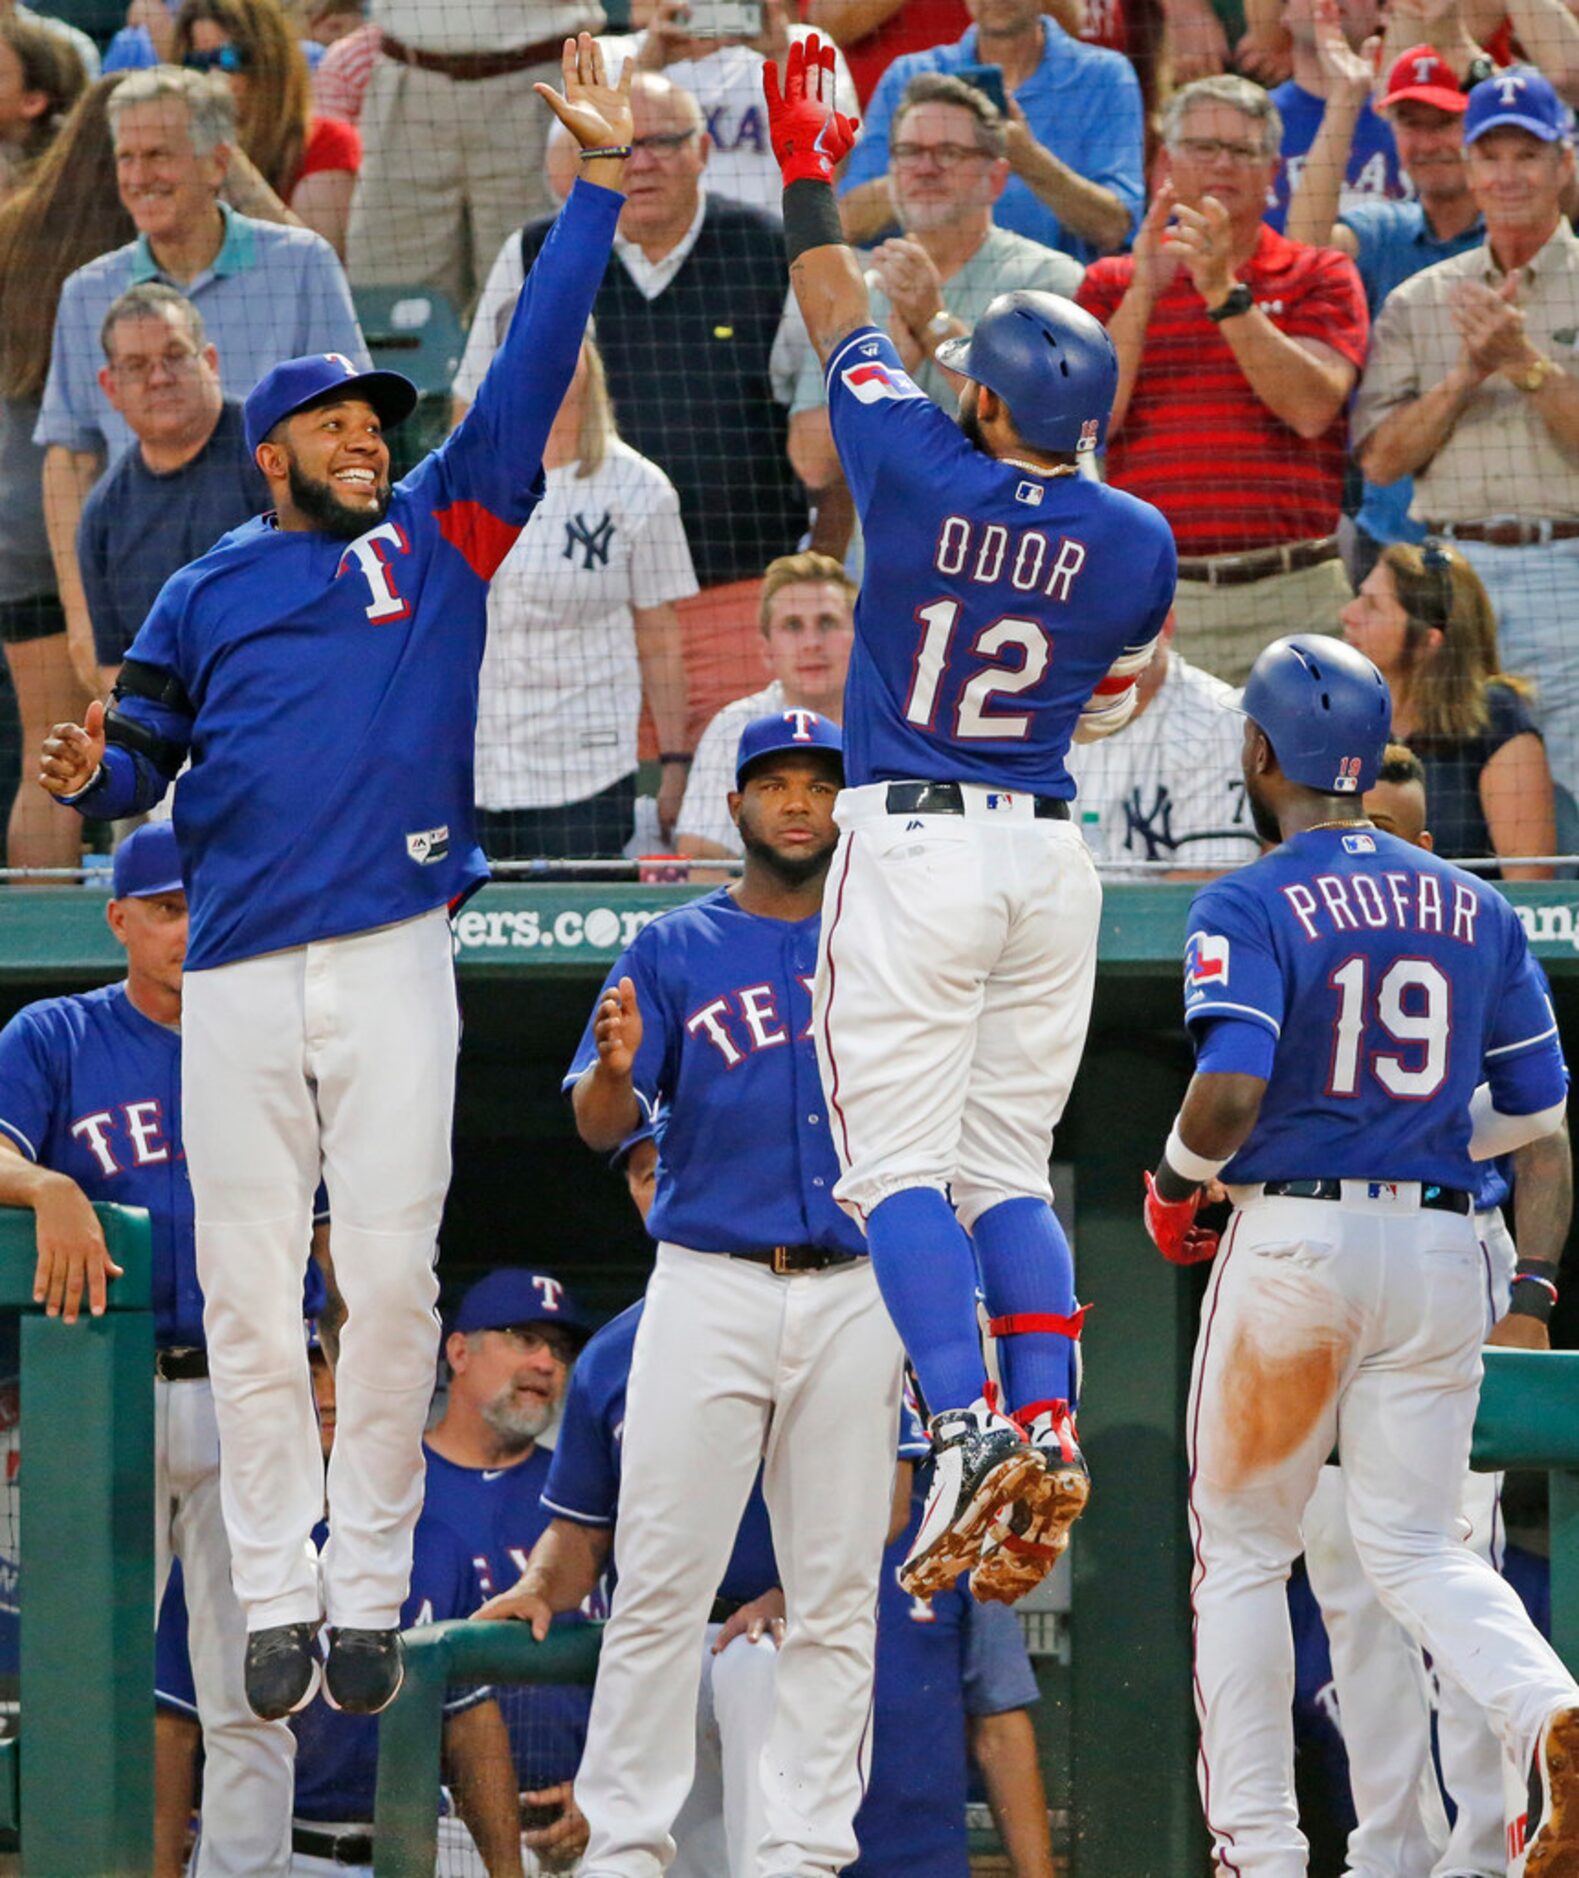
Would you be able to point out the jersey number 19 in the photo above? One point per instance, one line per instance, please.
(1412, 1005)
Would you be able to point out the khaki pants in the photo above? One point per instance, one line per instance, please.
(1223, 628)
(449, 172)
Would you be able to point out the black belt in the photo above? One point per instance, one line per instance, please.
(1433, 1199)
(946, 798)
(339, 1848)
(181, 1364)
(725, 1608)
(797, 1258)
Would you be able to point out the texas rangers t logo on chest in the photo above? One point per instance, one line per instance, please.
(371, 553)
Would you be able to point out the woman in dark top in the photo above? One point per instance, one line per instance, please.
(1424, 618)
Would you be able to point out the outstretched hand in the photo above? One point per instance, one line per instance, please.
(810, 138)
(617, 1029)
(73, 753)
(596, 113)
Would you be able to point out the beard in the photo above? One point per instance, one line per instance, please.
(1263, 820)
(793, 870)
(969, 422)
(516, 1426)
(329, 515)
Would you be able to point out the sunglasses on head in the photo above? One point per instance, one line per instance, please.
(220, 59)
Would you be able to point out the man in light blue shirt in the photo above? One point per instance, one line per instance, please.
(1074, 132)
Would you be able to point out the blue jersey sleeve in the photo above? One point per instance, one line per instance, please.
(32, 1079)
(583, 1480)
(885, 427)
(130, 781)
(647, 1072)
(1234, 1046)
(997, 1672)
(494, 458)
(1230, 964)
(1524, 1057)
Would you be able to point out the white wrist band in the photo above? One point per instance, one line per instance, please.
(1189, 1165)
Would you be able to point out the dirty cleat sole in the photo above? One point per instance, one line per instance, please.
(1552, 1841)
(1023, 1543)
(935, 1565)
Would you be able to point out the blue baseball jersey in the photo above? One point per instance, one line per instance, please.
(326, 691)
(997, 597)
(92, 1088)
(498, 1515)
(725, 999)
(1373, 170)
(1375, 986)
(937, 1665)
(584, 1477)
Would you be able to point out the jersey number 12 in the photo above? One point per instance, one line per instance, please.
(1413, 1005)
(971, 715)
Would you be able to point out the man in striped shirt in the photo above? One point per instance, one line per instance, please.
(1237, 352)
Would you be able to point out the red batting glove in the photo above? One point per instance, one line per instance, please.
(809, 137)
(1170, 1224)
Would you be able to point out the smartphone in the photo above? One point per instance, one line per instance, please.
(723, 19)
(988, 80)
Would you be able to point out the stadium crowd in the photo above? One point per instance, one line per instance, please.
(1332, 242)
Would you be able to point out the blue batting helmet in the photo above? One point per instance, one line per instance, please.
(1050, 362)
(1324, 708)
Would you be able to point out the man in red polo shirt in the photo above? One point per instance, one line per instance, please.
(1237, 352)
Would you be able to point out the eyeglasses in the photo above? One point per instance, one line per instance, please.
(530, 1338)
(137, 370)
(663, 143)
(220, 59)
(1208, 149)
(947, 156)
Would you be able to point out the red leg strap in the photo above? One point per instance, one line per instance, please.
(1034, 1321)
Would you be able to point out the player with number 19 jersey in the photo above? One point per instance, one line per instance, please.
(997, 595)
(1388, 983)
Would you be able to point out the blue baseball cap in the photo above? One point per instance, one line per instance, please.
(1519, 97)
(512, 1296)
(147, 862)
(786, 730)
(319, 376)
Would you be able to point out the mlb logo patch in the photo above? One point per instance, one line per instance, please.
(1031, 493)
(999, 799)
(1347, 780)
(1205, 961)
(1381, 1190)
(872, 383)
(1358, 844)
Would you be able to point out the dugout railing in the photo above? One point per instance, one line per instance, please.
(76, 1782)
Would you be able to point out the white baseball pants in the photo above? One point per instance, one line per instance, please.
(953, 992)
(337, 1056)
(248, 1765)
(1384, 1697)
(718, 1829)
(734, 1365)
(1360, 1320)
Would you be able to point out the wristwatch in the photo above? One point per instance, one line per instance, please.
(941, 324)
(1537, 375)
(1240, 300)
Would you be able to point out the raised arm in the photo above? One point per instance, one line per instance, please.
(809, 139)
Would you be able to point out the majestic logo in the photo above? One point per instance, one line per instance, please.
(1205, 960)
(593, 540)
(1031, 493)
(1347, 780)
(428, 845)
(876, 381)
(871, 351)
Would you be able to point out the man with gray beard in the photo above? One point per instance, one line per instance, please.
(510, 1350)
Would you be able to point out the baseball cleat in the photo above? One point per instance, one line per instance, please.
(1024, 1541)
(364, 1671)
(1551, 1826)
(981, 1462)
(281, 1671)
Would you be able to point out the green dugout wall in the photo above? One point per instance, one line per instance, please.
(531, 958)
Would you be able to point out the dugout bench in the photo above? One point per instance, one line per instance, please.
(1117, 1725)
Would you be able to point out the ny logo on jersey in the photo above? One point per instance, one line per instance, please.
(141, 1127)
(755, 1007)
(1150, 832)
(371, 553)
(593, 540)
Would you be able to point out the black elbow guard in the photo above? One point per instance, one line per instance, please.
(165, 753)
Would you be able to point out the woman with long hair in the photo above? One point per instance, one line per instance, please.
(41, 77)
(309, 162)
(1423, 617)
(69, 213)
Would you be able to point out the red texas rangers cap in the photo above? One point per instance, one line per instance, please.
(1422, 74)
(317, 378)
(786, 730)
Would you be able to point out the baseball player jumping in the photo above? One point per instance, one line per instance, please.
(1009, 605)
(320, 667)
(1368, 1026)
